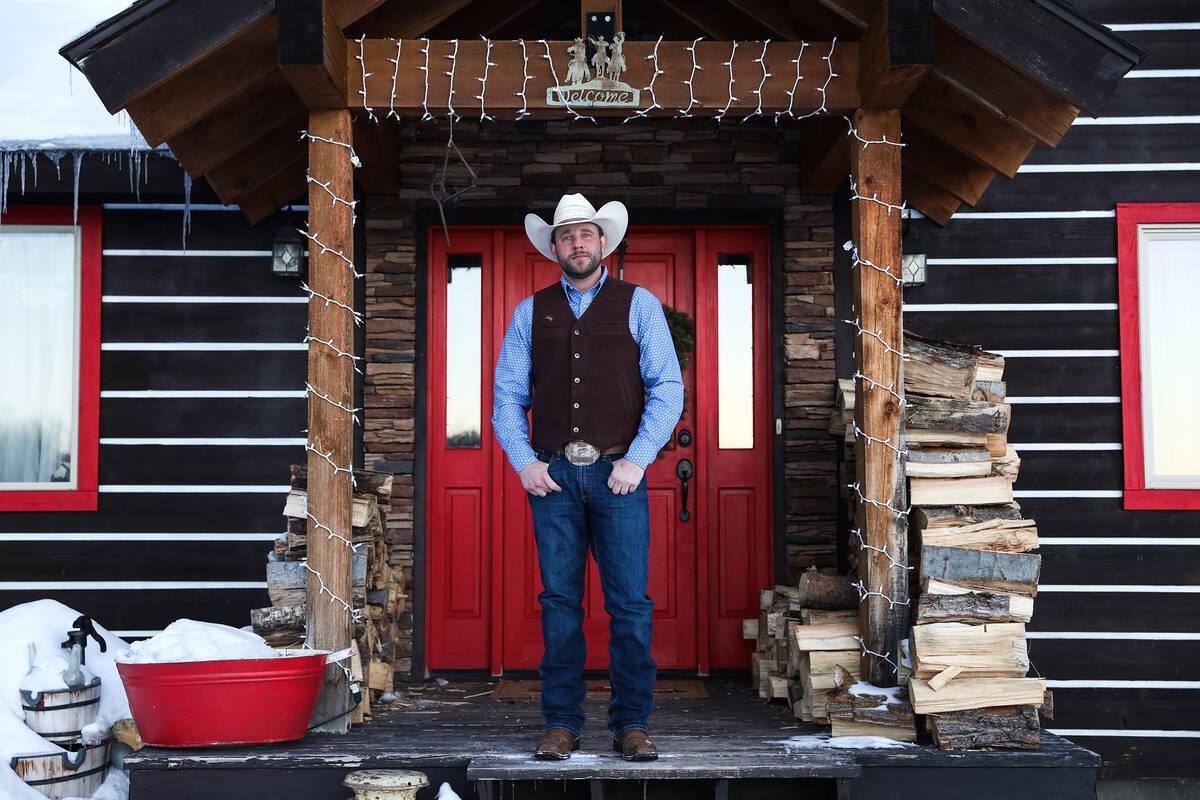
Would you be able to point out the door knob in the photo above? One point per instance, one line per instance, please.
(684, 438)
(684, 471)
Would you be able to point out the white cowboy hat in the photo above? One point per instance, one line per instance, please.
(612, 219)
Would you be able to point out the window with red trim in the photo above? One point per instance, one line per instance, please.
(50, 359)
(1158, 249)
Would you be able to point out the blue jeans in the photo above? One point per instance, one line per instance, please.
(617, 529)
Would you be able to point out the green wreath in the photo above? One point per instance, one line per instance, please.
(683, 334)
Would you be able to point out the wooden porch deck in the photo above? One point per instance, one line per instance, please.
(728, 745)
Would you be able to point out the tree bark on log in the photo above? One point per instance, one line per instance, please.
(827, 592)
(1013, 727)
(939, 369)
(973, 607)
(947, 516)
(1008, 572)
(962, 416)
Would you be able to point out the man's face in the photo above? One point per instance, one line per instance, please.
(578, 248)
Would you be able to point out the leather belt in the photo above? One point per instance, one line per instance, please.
(584, 454)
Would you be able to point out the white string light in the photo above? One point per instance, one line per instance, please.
(868, 142)
(649, 88)
(336, 469)
(859, 433)
(553, 74)
(873, 384)
(330, 301)
(450, 98)
(349, 203)
(353, 412)
(862, 543)
(721, 114)
(314, 238)
(854, 487)
(687, 112)
(314, 138)
(329, 343)
(487, 62)
(792, 92)
(823, 88)
(395, 75)
(333, 598)
(864, 593)
(866, 651)
(858, 260)
(425, 100)
(877, 335)
(363, 91)
(523, 111)
(761, 61)
(874, 198)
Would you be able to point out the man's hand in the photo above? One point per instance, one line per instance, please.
(536, 480)
(625, 476)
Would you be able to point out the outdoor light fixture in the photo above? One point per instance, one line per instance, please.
(913, 268)
(287, 251)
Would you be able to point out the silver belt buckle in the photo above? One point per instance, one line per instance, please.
(580, 453)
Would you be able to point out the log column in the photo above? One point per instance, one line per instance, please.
(878, 413)
(330, 422)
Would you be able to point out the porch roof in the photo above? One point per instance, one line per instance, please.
(228, 84)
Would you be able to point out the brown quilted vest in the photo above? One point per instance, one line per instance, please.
(586, 375)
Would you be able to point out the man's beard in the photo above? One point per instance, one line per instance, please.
(582, 271)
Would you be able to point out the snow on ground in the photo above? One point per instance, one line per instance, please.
(824, 740)
(189, 640)
(42, 97)
(45, 623)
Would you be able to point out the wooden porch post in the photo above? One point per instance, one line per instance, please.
(330, 401)
(878, 411)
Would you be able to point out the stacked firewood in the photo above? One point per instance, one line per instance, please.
(976, 578)
(377, 589)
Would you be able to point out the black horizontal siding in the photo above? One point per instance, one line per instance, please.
(1013, 283)
(162, 513)
(274, 370)
(204, 322)
(49, 560)
(1081, 422)
(198, 464)
(1121, 564)
(1143, 757)
(1019, 238)
(1137, 709)
(194, 275)
(211, 230)
(1117, 659)
(1108, 611)
(1021, 330)
(1095, 144)
(1153, 97)
(1109, 12)
(1039, 375)
(123, 417)
(152, 609)
(1058, 191)
(1070, 469)
(1087, 516)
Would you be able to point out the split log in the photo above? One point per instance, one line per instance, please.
(930, 437)
(826, 662)
(939, 369)
(824, 616)
(1013, 727)
(947, 462)
(955, 515)
(379, 676)
(1009, 536)
(365, 481)
(993, 650)
(361, 509)
(750, 629)
(966, 693)
(865, 710)
(944, 677)
(843, 407)
(989, 391)
(997, 444)
(1020, 606)
(990, 368)
(832, 592)
(1008, 465)
(838, 636)
(948, 491)
(986, 569)
(962, 416)
(972, 608)
(281, 626)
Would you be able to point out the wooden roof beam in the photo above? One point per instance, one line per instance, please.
(941, 164)
(927, 197)
(288, 186)
(824, 155)
(258, 162)
(772, 15)
(896, 52)
(857, 12)
(312, 52)
(408, 20)
(348, 12)
(715, 21)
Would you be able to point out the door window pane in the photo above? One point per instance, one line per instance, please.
(39, 363)
(464, 351)
(1169, 289)
(735, 353)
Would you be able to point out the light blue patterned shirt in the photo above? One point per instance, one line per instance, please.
(659, 368)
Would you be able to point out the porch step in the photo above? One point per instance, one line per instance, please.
(610, 766)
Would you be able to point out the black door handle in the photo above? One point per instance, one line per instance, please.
(685, 472)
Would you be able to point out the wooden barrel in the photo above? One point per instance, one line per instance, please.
(76, 773)
(60, 715)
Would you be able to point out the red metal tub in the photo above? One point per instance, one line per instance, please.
(199, 703)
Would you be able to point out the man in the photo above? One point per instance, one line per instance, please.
(593, 357)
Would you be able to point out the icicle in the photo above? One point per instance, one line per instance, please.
(77, 157)
(21, 158)
(5, 160)
(187, 208)
(56, 157)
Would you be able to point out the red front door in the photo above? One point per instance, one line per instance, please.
(706, 566)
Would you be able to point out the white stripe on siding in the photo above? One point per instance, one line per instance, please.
(1136, 541)
(264, 442)
(1009, 262)
(202, 488)
(179, 298)
(189, 253)
(201, 346)
(1177, 119)
(1054, 446)
(1058, 353)
(1118, 588)
(1060, 399)
(1150, 166)
(1123, 733)
(25, 586)
(1092, 494)
(1034, 215)
(178, 207)
(1163, 73)
(1119, 684)
(1142, 636)
(166, 394)
(138, 537)
(931, 307)
(1154, 26)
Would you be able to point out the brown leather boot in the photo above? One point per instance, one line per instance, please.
(556, 744)
(635, 745)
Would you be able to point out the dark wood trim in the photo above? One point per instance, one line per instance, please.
(312, 52)
(778, 395)
(425, 215)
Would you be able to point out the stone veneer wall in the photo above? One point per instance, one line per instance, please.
(668, 164)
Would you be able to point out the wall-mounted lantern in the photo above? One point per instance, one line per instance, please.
(913, 268)
(287, 251)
